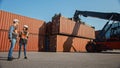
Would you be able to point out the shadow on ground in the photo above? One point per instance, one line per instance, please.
(4, 58)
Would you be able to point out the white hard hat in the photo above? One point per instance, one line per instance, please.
(15, 20)
(25, 26)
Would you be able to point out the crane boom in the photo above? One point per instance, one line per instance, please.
(101, 15)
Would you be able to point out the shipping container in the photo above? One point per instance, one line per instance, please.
(62, 25)
(61, 43)
(35, 42)
(49, 28)
(35, 26)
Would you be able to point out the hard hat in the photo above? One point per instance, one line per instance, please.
(15, 20)
(25, 26)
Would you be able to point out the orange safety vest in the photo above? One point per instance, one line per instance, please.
(24, 35)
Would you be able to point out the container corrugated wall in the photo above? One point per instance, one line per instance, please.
(35, 26)
(60, 43)
(36, 29)
(62, 25)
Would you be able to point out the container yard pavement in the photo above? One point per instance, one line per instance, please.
(62, 60)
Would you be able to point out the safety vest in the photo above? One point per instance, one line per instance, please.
(24, 34)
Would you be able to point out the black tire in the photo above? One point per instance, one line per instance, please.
(98, 48)
(90, 48)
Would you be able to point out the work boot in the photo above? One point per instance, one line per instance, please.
(25, 57)
(10, 59)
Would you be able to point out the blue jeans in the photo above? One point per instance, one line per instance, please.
(20, 46)
(13, 42)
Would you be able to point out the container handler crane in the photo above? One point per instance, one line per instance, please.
(101, 43)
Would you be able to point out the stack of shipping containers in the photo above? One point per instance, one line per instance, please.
(36, 30)
(59, 35)
(65, 35)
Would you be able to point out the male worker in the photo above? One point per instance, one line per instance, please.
(12, 37)
(23, 40)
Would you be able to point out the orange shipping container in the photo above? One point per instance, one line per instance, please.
(35, 42)
(35, 26)
(60, 43)
(62, 25)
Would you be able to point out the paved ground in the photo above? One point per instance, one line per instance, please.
(62, 60)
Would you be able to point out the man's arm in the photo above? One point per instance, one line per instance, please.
(10, 32)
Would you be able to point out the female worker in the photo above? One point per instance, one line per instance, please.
(23, 40)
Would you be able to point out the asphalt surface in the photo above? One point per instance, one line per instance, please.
(62, 60)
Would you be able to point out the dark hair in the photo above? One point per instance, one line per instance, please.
(14, 22)
(26, 28)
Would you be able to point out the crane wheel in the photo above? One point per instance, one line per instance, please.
(89, 48)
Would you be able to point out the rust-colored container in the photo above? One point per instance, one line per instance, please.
(35, 42)
(35, 26)
(60, 43)
(62, 25)
(49, 28)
